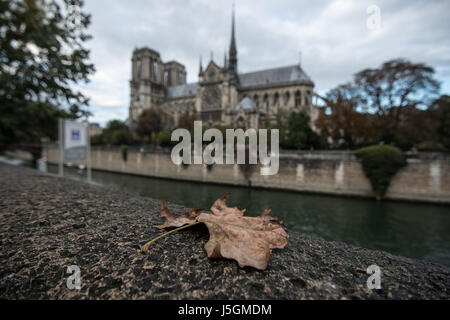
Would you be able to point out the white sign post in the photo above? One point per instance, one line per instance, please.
(74, 144)
(61, 147)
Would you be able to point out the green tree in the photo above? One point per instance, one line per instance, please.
(121, 137)
(116, 132)
(97, 139)
(114, 125)
(163, 138)
(186, 121)
(296, 132)
(41, 58)
(152, 121)
(440, 110)
(381, 164)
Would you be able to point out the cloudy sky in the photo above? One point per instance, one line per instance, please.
(336, 38)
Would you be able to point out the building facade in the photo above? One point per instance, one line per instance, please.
(221, 95)
(94, 129)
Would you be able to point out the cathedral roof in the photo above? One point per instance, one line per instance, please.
(182, 90)
(246, 104)
(252, 79)
(274, 76)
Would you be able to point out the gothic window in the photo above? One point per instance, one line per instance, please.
(287, 96)
(308, 98)
(240, 123)
(298, 99)
(255, 98)
(135, 93)
(266, 100)
(155, 70)
(276, 97)
(139, 68)
(166, 78)
(180, 77)
(211, 75)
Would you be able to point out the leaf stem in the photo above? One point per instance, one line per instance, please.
(144, 248)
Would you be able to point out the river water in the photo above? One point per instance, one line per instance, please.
(413, 230)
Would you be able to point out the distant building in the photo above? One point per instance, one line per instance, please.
(94, 129)
(221, 95)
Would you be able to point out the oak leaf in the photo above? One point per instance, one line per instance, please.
(171, 221)
(248, 240)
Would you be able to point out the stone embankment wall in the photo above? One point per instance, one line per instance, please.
(425, 178)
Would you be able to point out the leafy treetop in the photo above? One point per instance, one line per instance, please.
(41, 58)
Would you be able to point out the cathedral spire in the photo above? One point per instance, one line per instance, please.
(232, 62)
(201, 67)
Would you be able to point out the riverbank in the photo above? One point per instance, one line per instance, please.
(49, 223)
(426, 178)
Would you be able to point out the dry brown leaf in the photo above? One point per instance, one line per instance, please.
(220, 208)
(174, 222)
(248, 240)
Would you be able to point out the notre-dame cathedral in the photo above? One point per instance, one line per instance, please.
(221, 95)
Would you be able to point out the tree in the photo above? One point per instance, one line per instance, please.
(152, 121)
(186, 121)
(41, 57)
(381, 164)
(417, 128)
(428, 130)
(163, 138)
(114, 125)
(343, 122)
(384, 104)
(116, 132)
(392, 90)
(440, 111)
(121, 137)
(295, 131)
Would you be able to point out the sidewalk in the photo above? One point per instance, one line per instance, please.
(49, 223)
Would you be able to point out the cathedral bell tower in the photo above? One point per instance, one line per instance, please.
(146, 89)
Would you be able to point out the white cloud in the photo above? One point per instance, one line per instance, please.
(332, 36)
